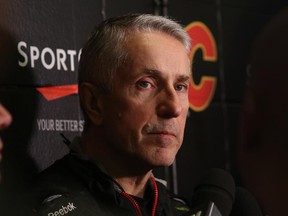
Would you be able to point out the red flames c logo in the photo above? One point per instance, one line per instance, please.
(201, 95)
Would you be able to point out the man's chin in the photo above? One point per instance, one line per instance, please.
(164, 163)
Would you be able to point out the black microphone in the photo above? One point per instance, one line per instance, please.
(245, 204)
(214, 195)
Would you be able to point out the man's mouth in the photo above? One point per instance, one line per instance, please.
(163, 133)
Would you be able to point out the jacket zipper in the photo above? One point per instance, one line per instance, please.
(135, 204)
(155, 203)
(133, 201)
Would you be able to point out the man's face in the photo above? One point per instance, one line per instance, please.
(144, 117)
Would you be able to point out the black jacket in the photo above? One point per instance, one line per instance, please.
(73, 186)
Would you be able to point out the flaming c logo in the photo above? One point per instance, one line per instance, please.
(201, 95)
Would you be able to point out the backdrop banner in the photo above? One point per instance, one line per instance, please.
(40, 46)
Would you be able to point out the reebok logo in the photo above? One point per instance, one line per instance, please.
(64, 210)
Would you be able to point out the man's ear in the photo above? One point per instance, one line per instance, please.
(91, 102)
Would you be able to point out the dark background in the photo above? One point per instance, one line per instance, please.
(211, 134)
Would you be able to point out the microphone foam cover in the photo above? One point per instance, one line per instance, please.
(245, 204)
(218, 186)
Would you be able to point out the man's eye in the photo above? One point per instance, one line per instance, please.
(181, 87)
(144, 84)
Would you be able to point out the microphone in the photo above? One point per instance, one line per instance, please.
(245, 204)
(214, 195)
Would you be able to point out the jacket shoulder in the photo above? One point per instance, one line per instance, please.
(58, 190)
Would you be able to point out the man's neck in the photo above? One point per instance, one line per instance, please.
(134, 185)
(130, 176)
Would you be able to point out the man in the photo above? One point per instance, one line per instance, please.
(134, 74)
(263, 150)
(5, 121)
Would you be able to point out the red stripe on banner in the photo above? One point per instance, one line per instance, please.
(56, 92)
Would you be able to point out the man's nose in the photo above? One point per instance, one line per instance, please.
(169, 104)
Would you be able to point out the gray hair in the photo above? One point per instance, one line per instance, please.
(104, 52)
